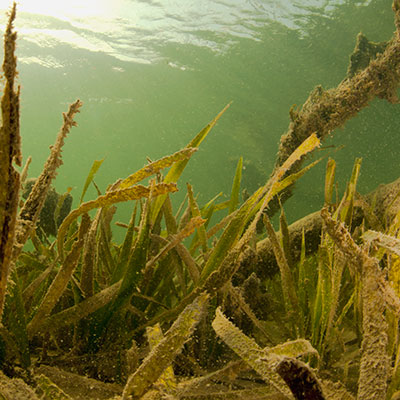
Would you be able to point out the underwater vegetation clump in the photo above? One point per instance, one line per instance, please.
(185, 310)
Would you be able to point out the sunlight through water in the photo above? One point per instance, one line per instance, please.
(132, 30)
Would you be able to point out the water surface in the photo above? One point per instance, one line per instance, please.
(152, 73)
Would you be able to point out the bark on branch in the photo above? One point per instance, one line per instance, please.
(326, 110)
(10, 155)
(386, 200)
(374, 71)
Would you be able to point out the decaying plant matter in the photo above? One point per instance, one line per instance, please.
(314, 310)
(32, 207)
(10, 153)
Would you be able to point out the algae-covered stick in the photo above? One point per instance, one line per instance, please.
(326, 110)
(10, 153)
(30, 212)
(374, 364)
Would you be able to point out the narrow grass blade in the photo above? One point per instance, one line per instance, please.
(194, 223)
(156, 166)
(167, 379)
(207, 212)
(254, 204)
(222, 206)
(137, 261)
(329, 180)
(276, 184)
(220, 225)
(61, 280)
(170, 220)
(112, 197)
(234, 199)
(125, 249)
(344, 212)
(307, 284)
(75, 313)
(322, 301)
(89, 255)
(228, 238)
(93, 171)
(301, 291)
(210, 202)
(176, 170)
(17, 322)
(288, 286)
(25, 170)
(192, 266)
(291, 179)
(285, 238)
(308, 145)
(201, 230)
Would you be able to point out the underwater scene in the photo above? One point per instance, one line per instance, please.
(200, 200)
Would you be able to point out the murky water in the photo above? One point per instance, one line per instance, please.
(152, 73)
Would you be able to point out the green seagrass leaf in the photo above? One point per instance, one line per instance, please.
(234, 200)
(165, 351)
(249, 351)
(93, 171)
(176, 170)
(156, 166)
(108, 199)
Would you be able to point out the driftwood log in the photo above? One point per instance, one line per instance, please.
(374, 71)
(386, 200)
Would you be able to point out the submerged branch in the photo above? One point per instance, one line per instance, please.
(386, 202)
(327, 110)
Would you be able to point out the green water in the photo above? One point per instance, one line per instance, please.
(152, 76)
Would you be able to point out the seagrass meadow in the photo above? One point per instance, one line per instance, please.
(205, 301)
